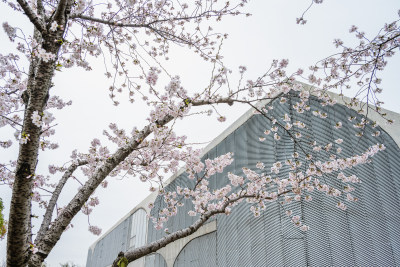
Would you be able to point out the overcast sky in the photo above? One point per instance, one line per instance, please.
(271, 33)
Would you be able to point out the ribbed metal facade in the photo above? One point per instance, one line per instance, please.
(127, 235)
(366, 234)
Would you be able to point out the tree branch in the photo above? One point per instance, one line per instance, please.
(60, 13)
(107, 22)
(53, 234)
(46, 243)
(37, 21)
(55, 195)
(17, 123)
(156, 245)
(119, 24)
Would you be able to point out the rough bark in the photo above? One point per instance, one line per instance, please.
(36, 21)
(20, 210)
(39, 83)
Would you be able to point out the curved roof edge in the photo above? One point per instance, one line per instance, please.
(144, 204)
(392, 129)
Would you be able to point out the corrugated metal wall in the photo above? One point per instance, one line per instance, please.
(119, 239)
(366, 234)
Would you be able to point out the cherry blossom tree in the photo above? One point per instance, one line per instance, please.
(133, 37)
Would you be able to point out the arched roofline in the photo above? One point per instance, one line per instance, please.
(141, 206)
(171, 251)
(392, 129)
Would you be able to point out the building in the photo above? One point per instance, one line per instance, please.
(367, 233)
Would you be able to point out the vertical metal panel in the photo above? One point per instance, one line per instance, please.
(258, 242)
(244, 238)
(241, 144)
(138, 227)
(389, 194)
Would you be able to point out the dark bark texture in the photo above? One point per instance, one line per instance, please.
(39, 82)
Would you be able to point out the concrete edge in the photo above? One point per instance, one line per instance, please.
(144, 204)
(171, 251)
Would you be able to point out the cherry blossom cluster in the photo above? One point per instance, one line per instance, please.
(6, 173)
(94, 230)
(10, 31)
(46, 118)
(259, 189)
(272, 186)
(162, 153)
(359, 67)
(56, 102)
(202, 197)
(12, 84)
(43, 54)
(96, 155)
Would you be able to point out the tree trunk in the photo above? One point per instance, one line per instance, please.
(20, 209)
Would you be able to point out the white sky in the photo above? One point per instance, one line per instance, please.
(271, 33)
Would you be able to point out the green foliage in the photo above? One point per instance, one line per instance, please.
(123, 262)
(3, 223)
